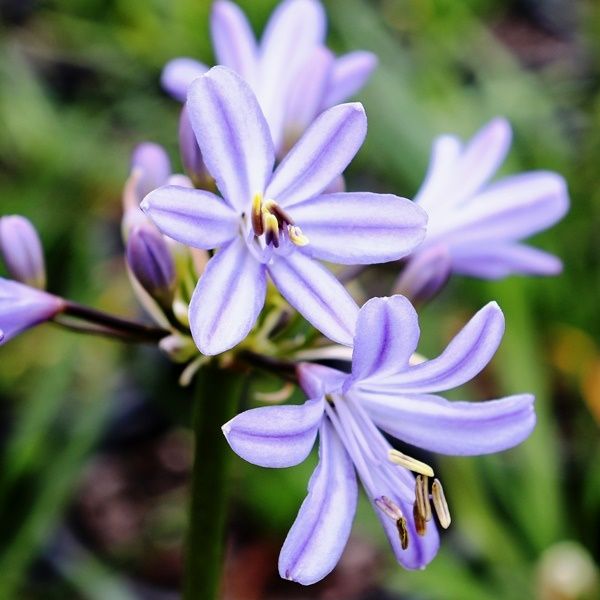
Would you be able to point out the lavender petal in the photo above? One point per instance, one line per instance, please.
(387, 334)
(455, 428)
(306, 95)
(233, 40)
(349, 74)
(275, 436)
(360, 227)
(321, 530)
(178, 74)
(232, 134)
(317, 380)
(295, 28)
(464, 357)
(227, 299)
(494, 261)
(316, 294)
(321, 154)
(193, 217)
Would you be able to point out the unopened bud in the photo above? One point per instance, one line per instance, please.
(425, 274)
(152, 162)
(22, 252)
(191, 157)
(152, 265)
(179, 348)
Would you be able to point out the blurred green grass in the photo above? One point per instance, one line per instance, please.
(79, 88)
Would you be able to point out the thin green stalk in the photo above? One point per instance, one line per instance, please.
(217, 396)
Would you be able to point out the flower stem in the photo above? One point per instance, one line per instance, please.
(217, 396)
(110, 324)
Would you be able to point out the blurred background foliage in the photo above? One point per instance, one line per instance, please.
(95, 453)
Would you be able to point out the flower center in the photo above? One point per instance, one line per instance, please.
(270, 220)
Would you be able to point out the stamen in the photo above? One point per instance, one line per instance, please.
(410, 463)
(389, 507)
(271, 228)
(272, 207)
(422, 497)
(402, 532)
(257, 220)
(393, 511)
(297, 236)
(420, 522)
(440, 504)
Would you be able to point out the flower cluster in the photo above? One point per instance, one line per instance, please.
(228, 258)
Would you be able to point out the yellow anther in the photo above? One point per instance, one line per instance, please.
(439, 503)
(409, 463)
(257, 220)
(296, 235)
(422, 497)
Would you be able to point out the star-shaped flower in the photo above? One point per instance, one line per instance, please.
(475, 227)
(276, 222)
(384, 391)
(292, 73)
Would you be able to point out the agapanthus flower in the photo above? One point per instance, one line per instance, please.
(23, 307)
(476, 227)
(385, 391)
(292, 73)
(276, 222)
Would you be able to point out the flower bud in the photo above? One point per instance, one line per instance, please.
(23, 307)
(152, 161)
(191, 157)
(150, 169)
(22, 252)
(151, 263)
(425, 275)
(179, 348)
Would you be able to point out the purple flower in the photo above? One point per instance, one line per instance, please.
(21, 249)
(276, 222)
(386, 392)
(23, 307)
(293, 75)
(481, 224)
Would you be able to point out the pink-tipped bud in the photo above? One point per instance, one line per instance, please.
(191, 157)
(152, 265)
(22, 252)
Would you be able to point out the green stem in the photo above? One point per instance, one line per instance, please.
(217, 396)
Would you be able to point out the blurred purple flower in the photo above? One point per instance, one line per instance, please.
(256, 221)
(191, 156)
(23, 307)
(481, 224)
(21, 249)
(293, 75)
(384, 391)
